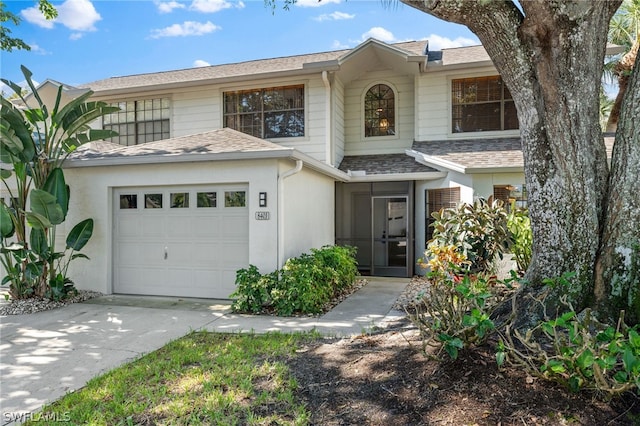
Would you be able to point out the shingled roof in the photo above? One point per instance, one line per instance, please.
(382, 164)
(477, 155)
(235, 70)
(464, 55)
(221, 141)
(474, 153)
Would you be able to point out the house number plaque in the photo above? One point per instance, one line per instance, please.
(262, 215)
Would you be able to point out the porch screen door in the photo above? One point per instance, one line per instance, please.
(390, 226)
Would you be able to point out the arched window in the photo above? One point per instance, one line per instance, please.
(379, 111)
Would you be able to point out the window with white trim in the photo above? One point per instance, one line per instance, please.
(139, 122)
(274, 112)
(482, 104)
(379, 111)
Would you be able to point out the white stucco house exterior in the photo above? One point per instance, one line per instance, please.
(219, 167)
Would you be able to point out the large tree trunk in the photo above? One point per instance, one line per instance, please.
(617, 281)
(551, 57)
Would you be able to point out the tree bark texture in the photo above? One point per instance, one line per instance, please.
(551, 55)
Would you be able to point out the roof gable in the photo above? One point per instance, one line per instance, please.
(48, 92)
(405, 59)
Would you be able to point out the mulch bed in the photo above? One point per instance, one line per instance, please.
(386, 379)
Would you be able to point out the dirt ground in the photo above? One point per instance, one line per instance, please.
(386, 379)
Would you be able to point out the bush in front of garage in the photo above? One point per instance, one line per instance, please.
(305, 285)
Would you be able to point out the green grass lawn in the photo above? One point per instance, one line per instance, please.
(203, 378)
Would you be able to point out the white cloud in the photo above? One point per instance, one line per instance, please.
(34, 16)
(77, 15)
(188, 28)
(315, 3)
(335, 16)
(168, 6)
(213, 6)
(76, 36)
(381, 34)
(339, 45)
(437, 42)
(38, 50)
(200, 63)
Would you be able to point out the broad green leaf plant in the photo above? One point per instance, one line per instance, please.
(34, 143)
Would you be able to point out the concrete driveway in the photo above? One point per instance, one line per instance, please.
(45, 355)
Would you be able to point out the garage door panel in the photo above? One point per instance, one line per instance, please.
(140, 253)
(179, 227)
(179, 277)
(153, 225)
(236, 227)
(183, 254)
(207, 226)
(207, 254)
(234, 254)
(228, 280)
(139, 280)
(205, 246)
(129, 226)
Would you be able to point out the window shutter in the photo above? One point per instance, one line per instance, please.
(438, 199)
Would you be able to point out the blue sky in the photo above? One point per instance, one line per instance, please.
(92, 40)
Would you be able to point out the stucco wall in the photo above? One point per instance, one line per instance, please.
(91, 196)
(483, 183)
(308, 211)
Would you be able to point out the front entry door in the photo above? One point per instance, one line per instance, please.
(390, 227)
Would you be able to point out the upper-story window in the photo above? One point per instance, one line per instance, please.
(274, 112)
(481, 104)
(379, 111)
(139, 121)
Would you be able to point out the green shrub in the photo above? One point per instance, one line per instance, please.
(478, 230)
(454, 311)
(305, 284)
(579, 353)
(520, 227)
(340, 262)
(576, 350)
(253, 289)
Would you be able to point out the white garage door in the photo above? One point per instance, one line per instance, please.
(176, 241)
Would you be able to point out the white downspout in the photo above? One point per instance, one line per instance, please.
(280, 242)
(327, 119)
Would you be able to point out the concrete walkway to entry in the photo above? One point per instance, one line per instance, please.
(45, 355)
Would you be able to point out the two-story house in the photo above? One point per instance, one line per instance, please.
(219, 167)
